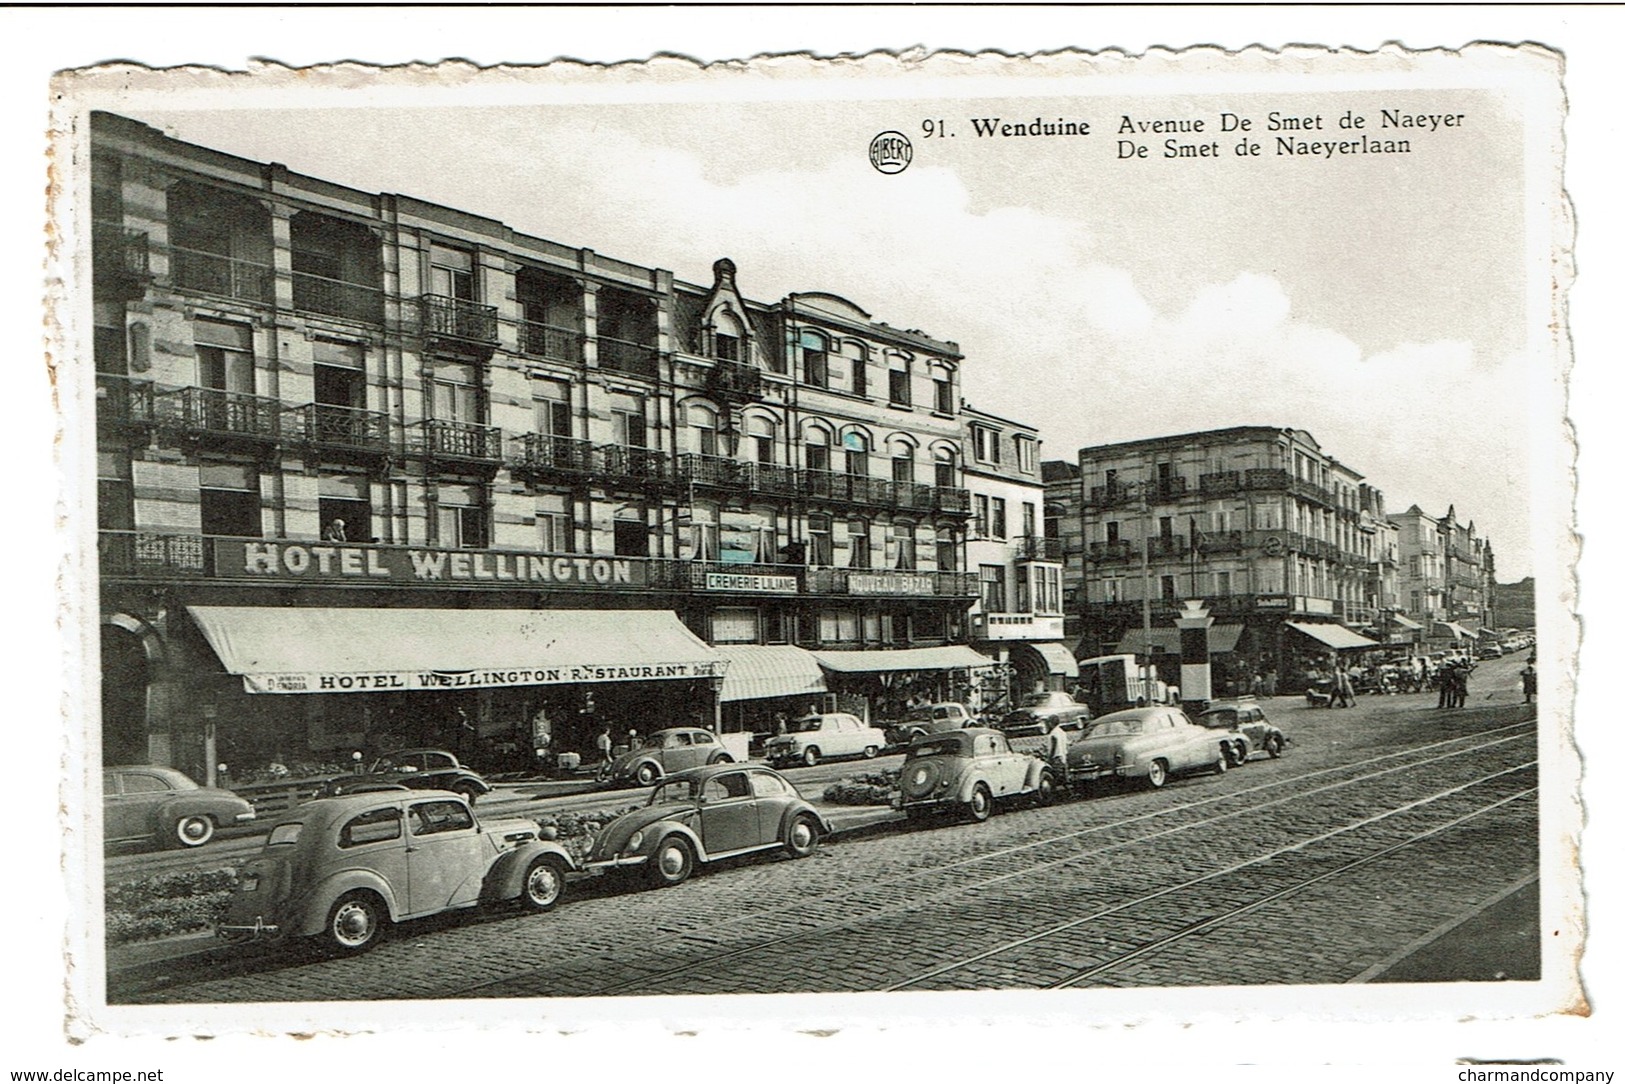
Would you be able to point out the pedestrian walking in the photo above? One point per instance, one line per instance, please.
(1461, 684)
(1446, 679)
(1342, 688)
(1055, 747)
(606, 746)
(1528, 676)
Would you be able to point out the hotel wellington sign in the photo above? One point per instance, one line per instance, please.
(409, 565)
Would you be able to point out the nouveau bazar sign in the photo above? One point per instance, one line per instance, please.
(402, 564)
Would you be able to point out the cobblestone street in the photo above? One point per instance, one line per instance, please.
(1381, 823)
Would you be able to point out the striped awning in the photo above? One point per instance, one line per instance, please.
(1058, 658)
(955, 657)
(1455, 631)
(758, 672)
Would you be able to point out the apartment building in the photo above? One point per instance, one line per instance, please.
(332, 423)
(1446, 578)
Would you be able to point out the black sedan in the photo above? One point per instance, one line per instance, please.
(416, 769)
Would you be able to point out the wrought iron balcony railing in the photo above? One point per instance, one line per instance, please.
(1032, 548)
(122, 401)
(1221, 482)
(210, 411)
(1170, 545)
(1267, 478)
(1221, 542)
(1120, 550)
(340, 427)
(335, 297)
(622, 463)
(639, 359)
(733, 382)
(460, 440)
(120, 259)
(547, 341)
(1107, 496)
(543, 453)
(221, 275)
(453, 318)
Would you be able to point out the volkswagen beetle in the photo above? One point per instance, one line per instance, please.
(707, 814)
(969, 769)
(344, 868)
(664, 752)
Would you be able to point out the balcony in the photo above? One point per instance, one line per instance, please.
(1318, 494)
(210, 412)
(458, 325)
(625, 466)
(847, 488)
(1031, 548)
(542, 456)
(1103, 552)
(222, 276)
(335, 297)
(460, 442)
(1108, 496)
(1267, 478)
(950, 500)
(1168, 545)
(637, 359)
(122, 402)
(913, 497)
(731, 382)
(1168, 489)
(1220, 483)
(1223, 542)
(341, 429)
(547, 341)
(120, 264)
(142, 553)
(715, 471)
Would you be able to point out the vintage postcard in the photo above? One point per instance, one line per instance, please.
(1092, 532)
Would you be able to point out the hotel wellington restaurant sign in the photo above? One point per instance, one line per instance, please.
(400, 564)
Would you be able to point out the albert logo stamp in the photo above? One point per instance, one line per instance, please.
(890, 152)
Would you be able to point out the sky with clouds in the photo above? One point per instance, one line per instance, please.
(1378, 302)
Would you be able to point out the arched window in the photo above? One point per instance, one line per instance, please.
(730, 338)
(702, 428)
(947, 468)
(900, 390)
(902, 460)
(763, 434)
(856, 447)
(857, 356)
(816, 453)
(815, 359)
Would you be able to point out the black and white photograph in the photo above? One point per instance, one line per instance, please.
(1076, 535)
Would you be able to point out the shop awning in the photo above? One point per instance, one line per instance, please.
(1455, 631)
(1220, 639)
(755, 673)
(1404, 622)
(956, 657)
(1332, 635)
(1060, 660)
(279, 649)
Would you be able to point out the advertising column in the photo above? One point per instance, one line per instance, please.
(1195, 668)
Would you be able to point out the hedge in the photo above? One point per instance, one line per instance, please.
(869, 788)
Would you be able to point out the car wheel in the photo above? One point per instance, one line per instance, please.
(671, 862)
(469, 792)
(722, 758)
(802, 838)
(980, 806)
(1272, 746)
(871, 751)
(810, 757)
(1158, 775)
(647, 774)
(1222, 765)
(543, 883)
(356, 922)
(1045, 794)
(1238, 754)
(193, 831)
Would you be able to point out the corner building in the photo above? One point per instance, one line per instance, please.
(332, 425)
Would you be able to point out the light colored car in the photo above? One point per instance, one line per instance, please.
(812, 738)
(971, 770)
(705, 815)
(1243, 718)
(1146, 743)
(663, 753)
(344, 868)
(143, 802)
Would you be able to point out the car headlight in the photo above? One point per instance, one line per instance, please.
(633, 843)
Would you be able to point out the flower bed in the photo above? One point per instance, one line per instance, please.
(869, 788)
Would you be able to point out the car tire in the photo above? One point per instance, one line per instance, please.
(355, 923)
(193, 831)
(980, 806)
(871, 751)
(542, 886)
(802, 837)
(1235, 754)
(810, 757)
(1045, 794)
(647, 774)
(722, 758)
(671, 862)
(1157, 775)
(1273, 746)
(1222, 765)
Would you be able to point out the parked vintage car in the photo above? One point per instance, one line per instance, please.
(1243, 719)
(812, 738)
(1028, 725)
(707, 814)
(1146, 743)
(664, 753)
(929, 719)
(344, 868)
(969, 769)
(161, 805)
(417, 769)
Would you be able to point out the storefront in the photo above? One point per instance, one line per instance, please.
(885, 683)
(765, 681)
(491, 686)
(1161, 646)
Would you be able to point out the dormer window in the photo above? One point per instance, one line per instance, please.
(727, 347)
